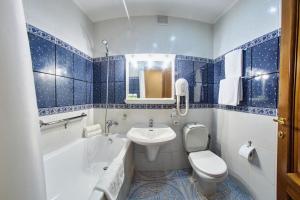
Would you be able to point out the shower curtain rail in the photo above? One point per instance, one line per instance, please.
(65, 121)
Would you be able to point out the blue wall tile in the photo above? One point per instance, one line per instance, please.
(104, 71)
(216, 93)
(45, 90)
(247, 89)
(265, 57)
(80, 68)
(89, 71)
(42, 54)
(218, 72)
(200, 69)
(64, 91)
(80, 91)
(264, 91)
(89, 93)
(119, 92)
(184, 68)
(64, 62)
(247, 62)
(111, 93)
(120, 70)
(97, 93)
(97, 72)
(210, 93)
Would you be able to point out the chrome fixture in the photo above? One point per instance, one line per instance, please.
(151, 123)
(105, 43)
(109, 124)
(65, 121)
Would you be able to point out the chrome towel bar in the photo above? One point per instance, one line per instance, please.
(65, 121)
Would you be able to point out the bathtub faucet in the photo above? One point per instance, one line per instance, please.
(151, 123)
(109, 124)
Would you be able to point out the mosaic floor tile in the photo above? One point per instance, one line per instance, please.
(178, 185)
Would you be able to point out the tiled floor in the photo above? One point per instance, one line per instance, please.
(178, 185)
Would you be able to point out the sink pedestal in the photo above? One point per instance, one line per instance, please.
(152, 151)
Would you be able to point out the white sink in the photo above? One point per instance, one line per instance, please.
(151, 137)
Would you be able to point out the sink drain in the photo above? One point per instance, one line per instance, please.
(105, 168)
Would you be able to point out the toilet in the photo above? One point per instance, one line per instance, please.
(208, 168)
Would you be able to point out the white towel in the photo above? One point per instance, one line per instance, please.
(112, 180)
(92, 130)
(231, 92)
(234, 63)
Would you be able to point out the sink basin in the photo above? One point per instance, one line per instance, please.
(151, 137)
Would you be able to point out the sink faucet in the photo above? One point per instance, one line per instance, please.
(109, 124)
(151, 123)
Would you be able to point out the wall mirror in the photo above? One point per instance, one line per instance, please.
(150, 78)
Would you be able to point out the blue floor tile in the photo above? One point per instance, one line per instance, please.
(178, 185)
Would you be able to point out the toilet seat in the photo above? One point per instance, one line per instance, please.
(208, 163)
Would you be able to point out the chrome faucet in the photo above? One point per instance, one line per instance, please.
(151, 123)
(109, 124)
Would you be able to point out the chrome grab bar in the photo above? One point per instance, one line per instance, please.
(65, 121)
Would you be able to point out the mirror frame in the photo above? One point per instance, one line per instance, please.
(154, 57)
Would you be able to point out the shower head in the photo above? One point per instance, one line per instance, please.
(104, 42)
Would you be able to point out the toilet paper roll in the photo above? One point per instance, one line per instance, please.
(246, 151)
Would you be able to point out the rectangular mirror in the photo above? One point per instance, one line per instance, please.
(150, 78)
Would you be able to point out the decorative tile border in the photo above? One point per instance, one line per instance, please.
(117, 57)
(256, 41)
(38, 32)
(193, 58)
(150, 106)
(57, 110)
(248, 109)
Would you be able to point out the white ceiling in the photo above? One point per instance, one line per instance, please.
(203, 10)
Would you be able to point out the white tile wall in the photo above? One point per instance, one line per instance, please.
(233, 129)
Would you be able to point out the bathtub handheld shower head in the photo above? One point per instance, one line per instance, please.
(105, 43)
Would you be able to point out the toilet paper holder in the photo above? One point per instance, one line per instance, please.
(249, 143)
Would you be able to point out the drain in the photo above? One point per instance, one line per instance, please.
(105, 168)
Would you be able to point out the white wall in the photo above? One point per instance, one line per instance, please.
(63, 19)
(172, 155)
(233, 129)
(56, 136)
(245, 21)
(192, 38)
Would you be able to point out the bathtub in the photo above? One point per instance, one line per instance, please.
(72, 172)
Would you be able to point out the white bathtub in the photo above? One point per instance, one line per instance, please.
(73, 171)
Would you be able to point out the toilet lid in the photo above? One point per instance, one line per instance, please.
(208, 163)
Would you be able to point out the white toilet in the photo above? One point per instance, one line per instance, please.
(208, 168)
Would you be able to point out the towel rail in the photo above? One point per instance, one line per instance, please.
(65, 121)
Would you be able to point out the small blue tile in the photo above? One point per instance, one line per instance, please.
(111, 93)
(184, 68)
(45, 89)
(200, 69)
(265, 57)
(246, 92)
(264, 91)
(89, 93)
(119, 70)
(104, 71)
(79, 68)
(97, 93)
(247, 62)
(97, 72)
(64, 62)
(79, 92)
(64, 91)
(218, 73)
(119, 92)
(216, 93)
(42, 54)
(89, 71)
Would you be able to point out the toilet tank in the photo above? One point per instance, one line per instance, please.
(195, 137)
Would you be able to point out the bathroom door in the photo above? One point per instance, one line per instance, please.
(288, 157)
